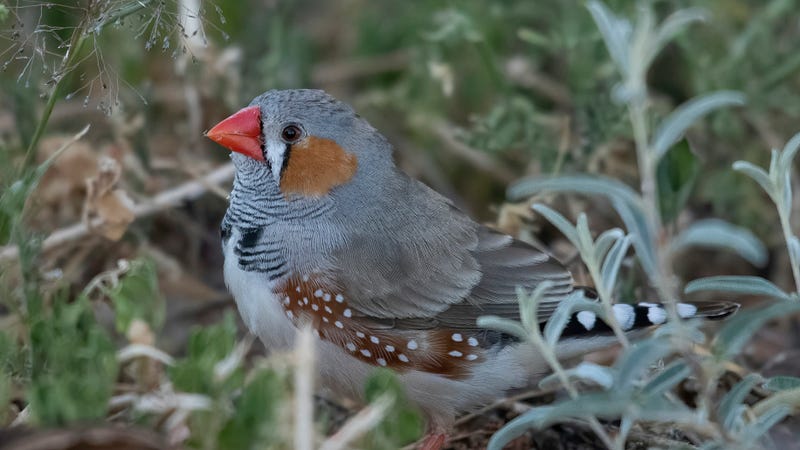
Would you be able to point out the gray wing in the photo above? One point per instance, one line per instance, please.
(443, 269)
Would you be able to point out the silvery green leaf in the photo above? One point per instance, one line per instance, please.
(601, 404)
(789, 151)
(642, 236)
(557, 220)
(561, 316)
(786, 185)
(582, 184)
(612, 262)
(529, 304)
(765, 422)
(794, 247)
(586, 246)
(731, 407)
(782, 383)
(616, 33)
(738, 330)
(636, 359)
(504, 325)
(668, 378)
(676, 124)
(756, 173)
(606, 240)
(673, 24)
(737, 284)
(718, 233)
(585, 371)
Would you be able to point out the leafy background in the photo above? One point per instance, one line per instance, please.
(116, 325)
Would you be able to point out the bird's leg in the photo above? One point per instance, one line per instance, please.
(434, 440)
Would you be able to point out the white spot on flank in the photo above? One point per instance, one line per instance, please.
(305, 300)
(374, 339)
(305, 277)
(326, 297)
(457, 337)
(338, 324)
(412, 345)
(348, 313)
(472, 357)
(318, 293)
(315, 307)
(472, 342)
(328, 309)
(625, 315)
(656, 315)
(456, 353)
(686, 310)
(350, 346)
(402, 357)
(289, 315)
(360, 334)
(297, 289)
(390, 348)
(286, 301)
(339, 298)
(587, 319)
(381, 362)
(316, 332)
(325, 319)
(366, 352)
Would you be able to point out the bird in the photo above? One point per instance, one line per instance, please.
(324, 231)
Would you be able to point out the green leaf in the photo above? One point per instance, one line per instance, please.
(789, 151)
(636, 359)
(403, 424)
(738, 330)
(675, 175)
(255, 414)
(612, 262)
(765, 422)
(557, 220)
(756, 173)
(616, 33)
(137, 296)
(675, 125)
(563, 313)
(721, 234)
(737, 284)
(207, 346)
(73, 365)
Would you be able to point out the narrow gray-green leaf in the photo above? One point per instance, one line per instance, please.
(636, 360)
(561, 316)
(756, 173)
(668, 378)
(738, 330)
(605, 241)
(789, 151)
(794, 247)
(782, 383)
(765, 422)
(676, 124)
(730, 408)
(585, 371)
(676, 21)
(583, 184)
(643, 241)
(718, 233)
(616, 33)
(612, 262)
(557, 220)
(736, 284)
(504, 325)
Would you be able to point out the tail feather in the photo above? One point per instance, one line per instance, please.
(643, 315)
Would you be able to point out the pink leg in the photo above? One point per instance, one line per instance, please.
(434, 441)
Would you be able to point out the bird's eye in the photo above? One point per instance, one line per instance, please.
(291, 133)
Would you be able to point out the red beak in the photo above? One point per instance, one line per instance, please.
(240, 132)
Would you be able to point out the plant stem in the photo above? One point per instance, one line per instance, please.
(787, 236)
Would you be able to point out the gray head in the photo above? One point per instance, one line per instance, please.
(305, 143)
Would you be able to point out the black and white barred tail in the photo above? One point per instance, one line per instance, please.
(642, 315)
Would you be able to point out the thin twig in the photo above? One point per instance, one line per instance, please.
(473, 156)
(164, 200)
(358, 425)
(304, 391)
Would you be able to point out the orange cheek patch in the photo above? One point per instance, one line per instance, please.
(317, 165)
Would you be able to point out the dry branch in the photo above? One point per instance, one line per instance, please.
(162, 201)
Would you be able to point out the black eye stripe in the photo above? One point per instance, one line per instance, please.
(285, 162)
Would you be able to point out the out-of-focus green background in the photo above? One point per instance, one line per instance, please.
(474, 95)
